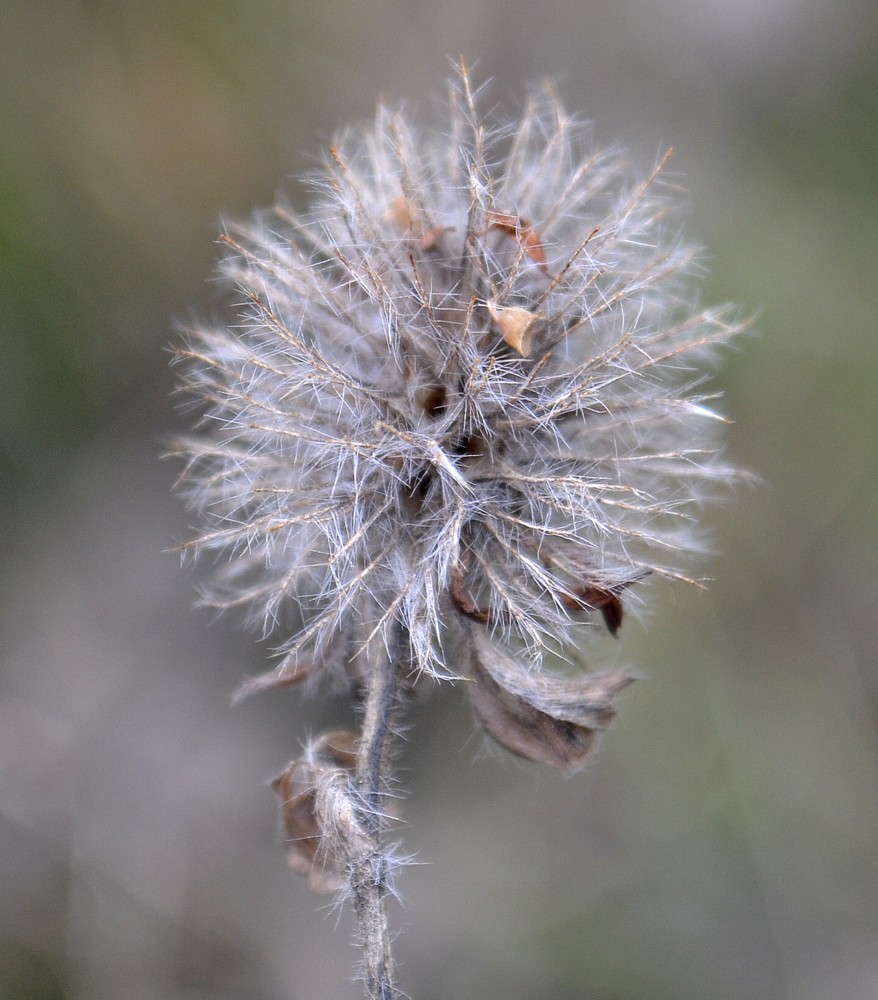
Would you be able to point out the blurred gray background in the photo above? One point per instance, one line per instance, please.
(724, 844)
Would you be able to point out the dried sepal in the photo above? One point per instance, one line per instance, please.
(309, 850)
(546, 718)
(585, 597)
(597, 598)
(400, 213)
(274, 680)
(408, 218)
(515, 324)
(524, 233)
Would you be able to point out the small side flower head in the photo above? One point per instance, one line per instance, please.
(462, 396)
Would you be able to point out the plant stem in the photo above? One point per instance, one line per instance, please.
(369, 874)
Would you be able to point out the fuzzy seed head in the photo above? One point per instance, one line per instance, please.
(462, 392)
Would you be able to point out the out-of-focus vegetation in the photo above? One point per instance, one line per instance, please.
(725, 842)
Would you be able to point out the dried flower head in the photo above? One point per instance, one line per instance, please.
(459, 414)
(464, 384)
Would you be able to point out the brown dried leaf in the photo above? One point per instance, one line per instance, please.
(308, 853)
(519, 229)
(516, 325)
(545, 718)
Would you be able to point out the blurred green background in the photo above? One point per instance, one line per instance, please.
(724, 844)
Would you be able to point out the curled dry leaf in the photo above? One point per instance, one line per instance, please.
(309, 852)
(548, 719)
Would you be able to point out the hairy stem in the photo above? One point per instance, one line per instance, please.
(369, 874)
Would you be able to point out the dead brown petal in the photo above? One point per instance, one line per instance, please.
(308, 851)
(519, 229)
(546, 718)
(516, 325)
